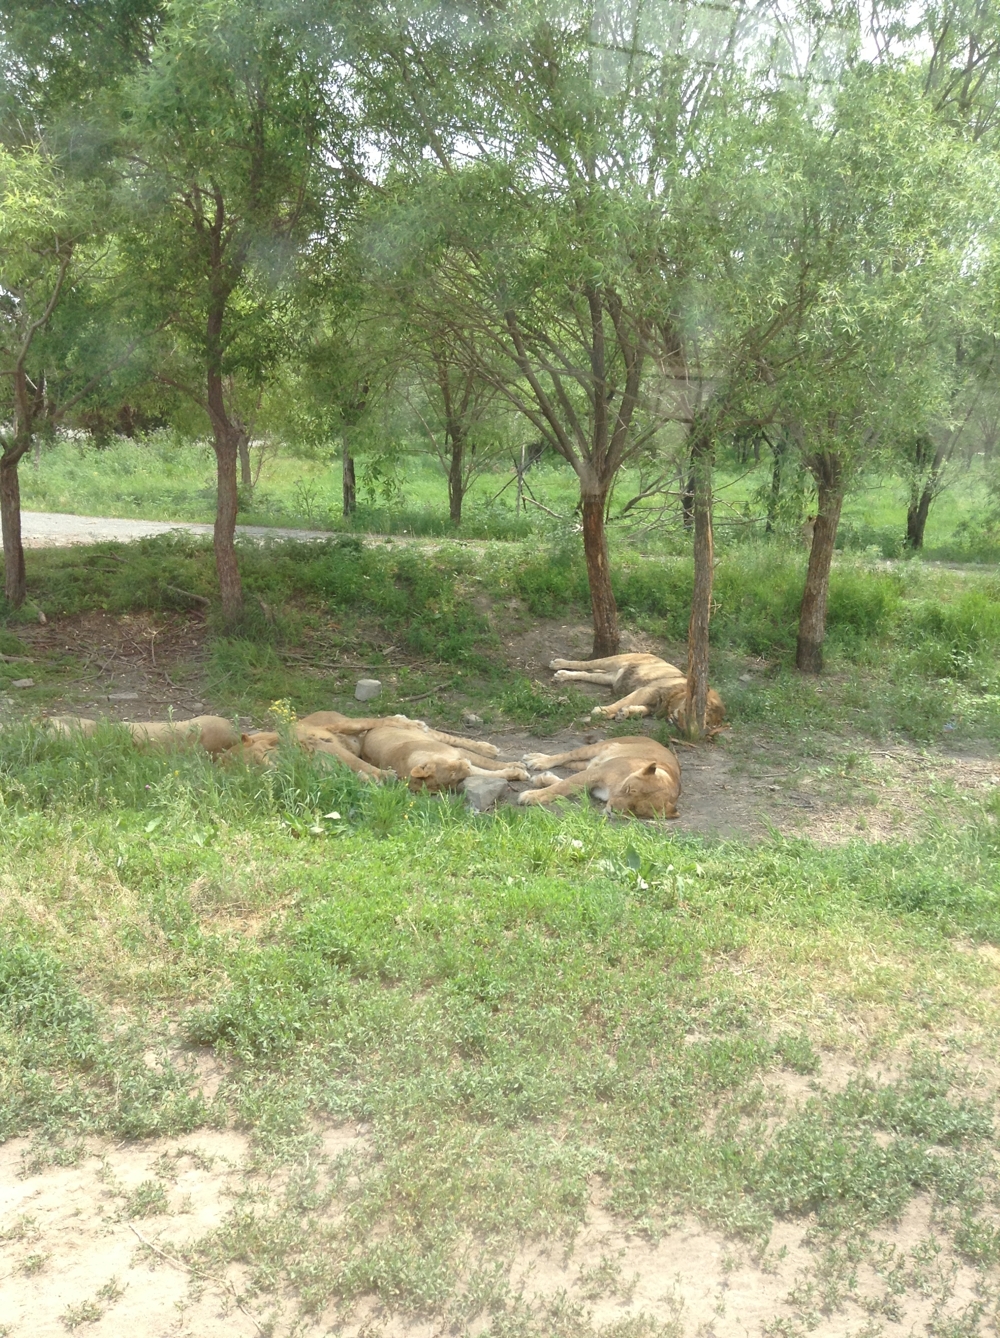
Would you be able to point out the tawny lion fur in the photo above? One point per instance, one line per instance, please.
(636, 775)
(650, 686)
(211, 732)
(423, 760)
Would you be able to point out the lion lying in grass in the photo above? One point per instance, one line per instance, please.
(262, 748)
(212, 732)
(375, 747)
(651, 686)
(636, 775)
(425, 759)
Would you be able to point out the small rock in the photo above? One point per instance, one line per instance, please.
(23, 683)
(470, 718)
(746, 678)
(42, 618)
(482, 792)
(123, 696)
(368, 689)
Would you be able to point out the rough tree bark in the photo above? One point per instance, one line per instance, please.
(243, 447)
(916, 518)
(778, 449)
(349, 481)
(456, 475)
(15, 580)
(921, 497)
(701, 596)
(828, 473)
(602, 599)
(226, 442)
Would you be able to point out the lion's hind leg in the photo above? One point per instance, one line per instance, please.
(543, 761)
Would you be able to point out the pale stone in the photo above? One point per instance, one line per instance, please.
(482, 792)
(368, 689)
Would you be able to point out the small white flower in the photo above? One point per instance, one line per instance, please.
(333, 817)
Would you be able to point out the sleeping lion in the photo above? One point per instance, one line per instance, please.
(650, 686)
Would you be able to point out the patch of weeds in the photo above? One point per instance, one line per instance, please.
(605, 1279)
(797, 1052)
(23, 1227)
(148, 1199)
(33, 1263)
(87, 1312)
(528, 702)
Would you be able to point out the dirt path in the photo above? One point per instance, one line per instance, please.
(51, 529)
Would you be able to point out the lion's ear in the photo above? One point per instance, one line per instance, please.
(245, 738)
(650, 770)
(421, 772)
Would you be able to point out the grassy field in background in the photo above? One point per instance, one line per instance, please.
(165, 478)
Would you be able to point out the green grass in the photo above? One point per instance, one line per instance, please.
(166, 476)
(518, 1008)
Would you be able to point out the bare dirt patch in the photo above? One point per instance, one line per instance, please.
(140, 666)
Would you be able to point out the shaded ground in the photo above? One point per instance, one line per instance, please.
(750, 782)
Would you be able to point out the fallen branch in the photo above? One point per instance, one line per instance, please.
(195, 1273)
(443, 687)
(187, 594)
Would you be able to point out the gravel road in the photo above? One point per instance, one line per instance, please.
(51, 529)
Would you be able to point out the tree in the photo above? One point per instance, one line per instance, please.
(56, 295)
(457, 408)
(239, 152)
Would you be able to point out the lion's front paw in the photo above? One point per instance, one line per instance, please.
(515, 773)
(535, 761)
(530, 797)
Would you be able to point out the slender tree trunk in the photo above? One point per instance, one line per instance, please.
(778, 449)
(921, 496)
(350, 483)
(602, 599)
(704, 571)
(456, 480)
(243, 447)
(227, 503)
(812, 614)
(687, 501)
(916, 517)
(15, 580)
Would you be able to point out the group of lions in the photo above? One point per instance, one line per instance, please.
(633, 775)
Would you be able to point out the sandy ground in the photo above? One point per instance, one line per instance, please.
(79, 1249)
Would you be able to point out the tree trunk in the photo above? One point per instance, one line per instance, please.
(778, 449)
(227, 502)
(350, 484)
(15, 580)
(456, 481)
(687, 501)
(246, 473)
(602, 599)
(916, 518)
(812, 615)
(701, 595)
